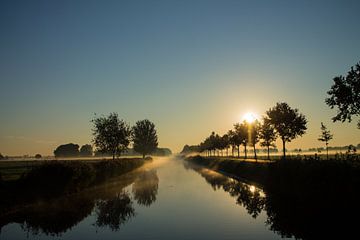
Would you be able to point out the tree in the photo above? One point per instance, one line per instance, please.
(242, 134)
(67, 150)
(325, 136)
(267, 134)
(144, 137)
(1, 156)
(232, 142)
(237, 137)
(38, 156)
(226, 143)
(111, 134)
(86, 150)
(288, 122)
(345, 95)
(253, 138)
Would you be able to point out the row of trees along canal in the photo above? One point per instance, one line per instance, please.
(287, 123)
(112, 136)
(280, 121)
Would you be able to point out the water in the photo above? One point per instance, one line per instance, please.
(168, 199)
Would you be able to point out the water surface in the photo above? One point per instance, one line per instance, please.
(167, 199)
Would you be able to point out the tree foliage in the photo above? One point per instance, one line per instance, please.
(267, 134)
(86, 150)
(111, 134)
(288, 122)
(325, 136)
(345, 95)
(67, 150)
(144, 137)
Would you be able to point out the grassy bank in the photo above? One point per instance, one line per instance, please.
(306, 199)
(251, 171)
(54, 178)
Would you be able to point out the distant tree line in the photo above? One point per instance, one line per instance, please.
(280, 121)
(72, 150)
(112, 137)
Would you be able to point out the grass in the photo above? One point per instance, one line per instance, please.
(49, 179)
(12, 170)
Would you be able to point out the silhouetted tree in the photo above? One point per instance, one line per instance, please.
(225, 143)
(67, 150)
(345, 95)
(211, 142)
(111, 134)
(1, 156)
(218, 143)
(236, 137)
(232, 141)
(254, 130)
(86, 150)
(190, 149)
(288, 122)
(267, 134)
(38, 156)
(242, 133)
(144, 137)
(325, 136)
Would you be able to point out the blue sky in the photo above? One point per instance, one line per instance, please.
(189, 66)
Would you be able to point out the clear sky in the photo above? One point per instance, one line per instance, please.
(189, 66)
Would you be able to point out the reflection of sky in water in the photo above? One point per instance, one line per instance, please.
(180, 205)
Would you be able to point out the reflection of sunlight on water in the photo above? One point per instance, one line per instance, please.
(252, 188)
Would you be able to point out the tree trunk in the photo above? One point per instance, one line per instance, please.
(268, 148)
(113, 155)
(143, 155)
(255, 152)
(327, 152)
(245, 152)
(227, 151)
(238, 150)
(284, 157)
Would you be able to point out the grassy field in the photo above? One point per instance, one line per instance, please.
(12, 169)
(289, 155)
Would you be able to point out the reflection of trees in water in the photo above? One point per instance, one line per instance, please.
(51, 218)
(318, 208)
(145, 188)
(54, 216)
(114, 212)
(251, 198)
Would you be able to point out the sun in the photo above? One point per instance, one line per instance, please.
(249, 117)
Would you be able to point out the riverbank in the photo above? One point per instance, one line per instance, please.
(253, 172)
(307, 199)
(58, 178)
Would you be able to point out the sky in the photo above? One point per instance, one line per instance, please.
(189, 66)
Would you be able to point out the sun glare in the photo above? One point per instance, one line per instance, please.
(249, 117)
